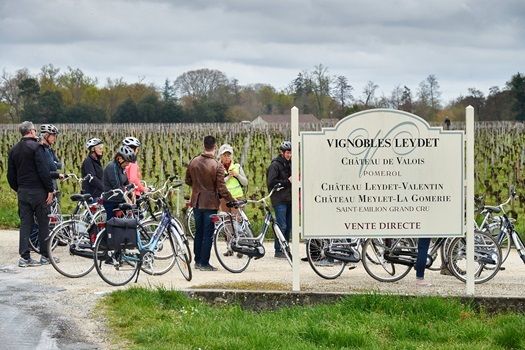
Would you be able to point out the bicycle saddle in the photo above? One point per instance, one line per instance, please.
(80, 197)
(126, 206)
(492, 209)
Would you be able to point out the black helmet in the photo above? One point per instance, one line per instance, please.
(285, 146)
(127, 154)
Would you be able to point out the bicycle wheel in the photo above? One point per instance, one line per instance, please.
(161, 258)
(73, 256)
(182, 233)
(182, 255)
(115, 267)
(487, 257)
(435, 256)
(325, 267)
(190, 223)
(34, 243)
(223, 238)
(377, 266)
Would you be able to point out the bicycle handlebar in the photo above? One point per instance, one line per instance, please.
(88, 177)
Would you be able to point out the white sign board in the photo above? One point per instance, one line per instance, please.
(382, 173)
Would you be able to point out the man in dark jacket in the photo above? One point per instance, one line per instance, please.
(29, 175)
(92, 166)
(205, 175)
(280, 171)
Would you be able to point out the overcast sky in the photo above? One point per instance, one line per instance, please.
(464, 43)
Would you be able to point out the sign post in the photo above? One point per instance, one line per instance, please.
(296, 187)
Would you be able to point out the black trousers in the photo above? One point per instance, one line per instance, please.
(32, 205)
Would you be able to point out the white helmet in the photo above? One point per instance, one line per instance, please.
(131, 141)
(48, 129)
(93, 142)
(127, 153)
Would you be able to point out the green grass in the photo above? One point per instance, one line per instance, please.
(162, 319)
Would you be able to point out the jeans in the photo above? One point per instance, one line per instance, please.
(422, 253)
(203, 235)
(109, 206)
(31, 205)
(283, 217)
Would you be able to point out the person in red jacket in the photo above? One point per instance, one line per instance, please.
(133, 170)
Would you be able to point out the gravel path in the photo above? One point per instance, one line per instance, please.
(69, 303)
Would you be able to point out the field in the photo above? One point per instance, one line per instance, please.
(499, 156)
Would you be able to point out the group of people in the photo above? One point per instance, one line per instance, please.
(215, 182)
(33, 170)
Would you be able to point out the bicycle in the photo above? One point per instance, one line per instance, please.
(190, 220)
(119, 259)
(329, 257)
(233, 241)
(73, 256)
(502, 228)
(55, 215)
(389, 260)
(152, 222)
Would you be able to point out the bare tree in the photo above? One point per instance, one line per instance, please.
(369, 93)
(396, 97)
(10, 92)
(342, 91)
(201, 83)
(319, 83)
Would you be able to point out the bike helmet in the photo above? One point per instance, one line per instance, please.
(48, 129)
(131, 141)
(127, 153)
(285, 146)
(93, 142)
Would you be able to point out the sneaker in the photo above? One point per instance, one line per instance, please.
(324, 262)
(279, 255)
(45, 261)
(198, 266)
(207, 268)
(28, 262)
(445, 271)
(304, 259)
(423, 283)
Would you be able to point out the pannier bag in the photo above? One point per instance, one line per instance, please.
(122, 233)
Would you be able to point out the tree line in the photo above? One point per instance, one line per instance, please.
(206, 95)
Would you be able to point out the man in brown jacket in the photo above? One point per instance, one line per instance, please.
(205, 175)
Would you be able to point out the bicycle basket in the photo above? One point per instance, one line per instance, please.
(122, 233)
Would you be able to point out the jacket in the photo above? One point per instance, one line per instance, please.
(114, 177)
(279, 171)
(54, 163)
(205, 175)
(235, 184)
(28, 166)
(134, 177)
(94, 167)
